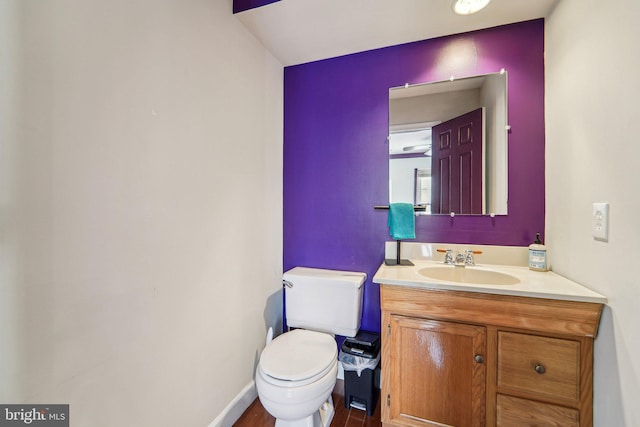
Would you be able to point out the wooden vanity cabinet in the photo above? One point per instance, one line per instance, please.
(462, 359)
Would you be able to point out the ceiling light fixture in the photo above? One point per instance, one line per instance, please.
(467, 7)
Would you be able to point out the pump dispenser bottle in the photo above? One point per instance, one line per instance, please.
(538, 255)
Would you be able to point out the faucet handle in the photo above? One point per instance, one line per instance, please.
(468, 256)
(448, 255)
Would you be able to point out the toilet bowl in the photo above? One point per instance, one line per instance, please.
(295, 377)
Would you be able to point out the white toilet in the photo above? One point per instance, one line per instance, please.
(297, 371)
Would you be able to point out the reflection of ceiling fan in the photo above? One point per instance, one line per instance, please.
(422, 148)
(410, 141)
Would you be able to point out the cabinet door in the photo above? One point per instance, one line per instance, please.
(437, 373)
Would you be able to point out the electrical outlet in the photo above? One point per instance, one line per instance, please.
(600, 223)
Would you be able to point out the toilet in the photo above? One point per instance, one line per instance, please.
(297, 371)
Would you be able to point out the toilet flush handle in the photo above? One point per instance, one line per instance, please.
(287, 283)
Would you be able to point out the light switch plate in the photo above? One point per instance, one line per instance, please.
(600, 222)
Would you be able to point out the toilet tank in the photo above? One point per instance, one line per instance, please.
(324, 300)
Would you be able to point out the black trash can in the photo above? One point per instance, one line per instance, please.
(361, 353)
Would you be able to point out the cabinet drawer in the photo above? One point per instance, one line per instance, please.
(512, 411)
(541, 365)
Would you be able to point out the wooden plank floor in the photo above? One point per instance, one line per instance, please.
(257, 416)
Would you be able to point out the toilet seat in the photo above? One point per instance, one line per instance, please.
(298, 358)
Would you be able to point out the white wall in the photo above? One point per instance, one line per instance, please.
(402, 177)
(141, 207)
(593, 155)
(493, 95)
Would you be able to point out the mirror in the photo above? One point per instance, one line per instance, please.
(464, 169)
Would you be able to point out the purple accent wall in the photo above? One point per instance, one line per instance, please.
(336, 155)
(242, 5)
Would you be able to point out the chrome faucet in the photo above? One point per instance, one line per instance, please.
(461, 259)
(468, 257)
(448, 257)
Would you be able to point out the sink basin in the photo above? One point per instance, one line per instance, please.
(473, 275)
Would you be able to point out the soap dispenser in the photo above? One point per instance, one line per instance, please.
(538, 255)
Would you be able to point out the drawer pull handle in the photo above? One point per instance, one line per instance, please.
(479, 358)
(540, 369)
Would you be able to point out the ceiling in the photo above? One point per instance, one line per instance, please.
(300, 31)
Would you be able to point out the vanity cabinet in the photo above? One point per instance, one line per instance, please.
(475, 359)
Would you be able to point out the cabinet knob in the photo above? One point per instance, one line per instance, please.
(479, 358)
(540, 368)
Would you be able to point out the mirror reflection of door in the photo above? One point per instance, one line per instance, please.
(457, 165)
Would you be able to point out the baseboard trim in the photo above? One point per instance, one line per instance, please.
(236, 407)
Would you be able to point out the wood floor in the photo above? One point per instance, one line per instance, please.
(257, 416)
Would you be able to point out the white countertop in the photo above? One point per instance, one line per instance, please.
(534, 284)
